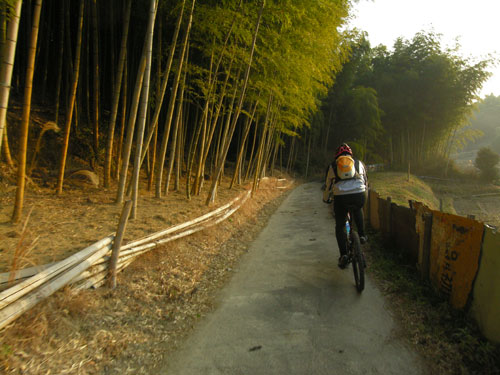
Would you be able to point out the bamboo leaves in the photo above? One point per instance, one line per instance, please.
(212, 100)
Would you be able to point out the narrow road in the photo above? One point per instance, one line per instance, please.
(290, 310)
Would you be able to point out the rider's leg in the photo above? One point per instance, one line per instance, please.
(340, 210)
(359, 200)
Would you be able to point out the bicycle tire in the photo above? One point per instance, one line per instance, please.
(358, 265)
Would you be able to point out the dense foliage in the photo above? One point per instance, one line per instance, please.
(486, 122)
(177, 89)
(487, 163)
(416, 99)
(226, 80)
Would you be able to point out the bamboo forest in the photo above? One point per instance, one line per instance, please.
(173, 93)
(165, 171)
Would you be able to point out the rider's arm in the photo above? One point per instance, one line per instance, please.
(330, 176)
(363, 174)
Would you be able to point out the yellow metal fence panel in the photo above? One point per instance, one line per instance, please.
(454, 255)
(486, 295)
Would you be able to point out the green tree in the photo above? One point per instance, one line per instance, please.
(426, 93)
(487, 163)
(248, 94)
(485, 120)
(352, 110)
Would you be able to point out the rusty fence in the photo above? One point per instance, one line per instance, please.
(459, 256)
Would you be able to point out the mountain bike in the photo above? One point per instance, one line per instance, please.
(355, 254)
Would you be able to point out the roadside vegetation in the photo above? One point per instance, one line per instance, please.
(463, 195)
(448, 339)
(401, 189)
(158, 298)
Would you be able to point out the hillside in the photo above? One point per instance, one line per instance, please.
(397, 186)
(159, 297)
(57, 226)
(462, 197)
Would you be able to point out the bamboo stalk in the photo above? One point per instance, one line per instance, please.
(122, 225)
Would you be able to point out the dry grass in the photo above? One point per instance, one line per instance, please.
(157, 301)
(22, 251)
(397, 186)
(448, 339)
(471, 197)
(461, 197)
(84, 214)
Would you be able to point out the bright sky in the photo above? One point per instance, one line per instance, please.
(476, 24)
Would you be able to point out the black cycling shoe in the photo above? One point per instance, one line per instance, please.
(343, 261)
(363, 239)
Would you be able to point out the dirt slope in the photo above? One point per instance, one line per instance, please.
(159, 297)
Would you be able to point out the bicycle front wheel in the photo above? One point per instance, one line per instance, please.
(358, 266)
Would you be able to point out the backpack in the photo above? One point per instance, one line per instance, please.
(345, 168)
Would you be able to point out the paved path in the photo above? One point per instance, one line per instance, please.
(290, 310)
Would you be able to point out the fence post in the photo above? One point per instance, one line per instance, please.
(118, 243)
(426, 248)
(389, 227)
(392, 218)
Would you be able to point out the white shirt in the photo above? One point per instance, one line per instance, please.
(354, 185)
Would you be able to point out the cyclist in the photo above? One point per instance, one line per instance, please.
(346, 180)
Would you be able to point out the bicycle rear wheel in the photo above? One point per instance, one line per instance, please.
(358, 265)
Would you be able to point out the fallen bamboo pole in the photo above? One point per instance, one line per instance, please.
(15, 309)
(102, 265)
(16, 300)
(31, 271)
(143, 248)
(126, 257)
(23, 273)
(180, 226)
(17, 291)
(191, 231)
(99, 278)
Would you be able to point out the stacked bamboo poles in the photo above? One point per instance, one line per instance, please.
(89, 267)
(285, 187)
(20, 275)
(24, 295)
(96, 277)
